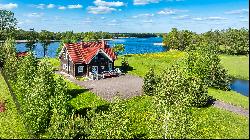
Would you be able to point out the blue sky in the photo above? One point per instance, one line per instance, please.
(129, 16)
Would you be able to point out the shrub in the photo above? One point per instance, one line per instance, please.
(204, 62)
(150, 81)
(124, 64)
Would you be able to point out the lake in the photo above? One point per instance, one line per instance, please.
(241, 86)
(132, 46)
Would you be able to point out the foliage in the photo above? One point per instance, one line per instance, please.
(124, 65)
(45, 39)
(8, 21)
(150, 82)
(204, 63)
(32, 39)
(11, 124)
(122, 122)
(9, 59)
(118, 48)
(177, 84)
(230, 41)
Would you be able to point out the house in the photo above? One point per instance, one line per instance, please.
(79, 59)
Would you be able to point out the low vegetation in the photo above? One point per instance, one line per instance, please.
(11, 124)
(237, 66)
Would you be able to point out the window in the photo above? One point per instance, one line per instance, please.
(64, 66)
(103, 67)
(80, 69)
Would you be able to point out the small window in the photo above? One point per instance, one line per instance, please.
(64, 66)
(80, 69)
(103, 67)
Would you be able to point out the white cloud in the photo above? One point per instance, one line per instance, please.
(87, 20)
(216, 18)
(148, 21)
(241, 11)
(198, 19)
(35, 15)
(170, 11)
(112, 24)
(103, 18)
(8, 6)
(244, 20)
(143, 15)
(209, 18)
(61, 7)
(75, 6)
(108, 4)
(181, 17)
(144, 2)
(100, 9)
(51, 6)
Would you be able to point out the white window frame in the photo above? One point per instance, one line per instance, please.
(64, 66)
(96, 68)
(80, 69)
(103, 67)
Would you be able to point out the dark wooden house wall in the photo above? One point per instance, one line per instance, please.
(99, 60)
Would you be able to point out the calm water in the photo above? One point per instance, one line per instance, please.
(241, 86)
(132, 46)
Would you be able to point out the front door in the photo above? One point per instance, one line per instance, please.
(95, 69)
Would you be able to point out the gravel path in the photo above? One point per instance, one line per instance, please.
(125, 86)
(232, 108)
(128, 86)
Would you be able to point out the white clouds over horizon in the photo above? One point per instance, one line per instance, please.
(144, 2)
(104, 7)
(8, 6)
(169, 11)
(241, 11)
(50, 6)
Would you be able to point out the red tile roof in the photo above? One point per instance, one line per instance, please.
(84, 52)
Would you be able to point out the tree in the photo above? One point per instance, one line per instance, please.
(150, 82)
(118, 49)
(45, 39)
(7, 20)
(32, 40)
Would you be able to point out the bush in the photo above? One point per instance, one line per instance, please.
(204, 62)
(150, 81)
(125, 66)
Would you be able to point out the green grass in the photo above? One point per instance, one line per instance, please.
(214, 123)
(230, 97)
(237, 66)
(142, 62)
(83, 98)
(55, 62)
(11, 125)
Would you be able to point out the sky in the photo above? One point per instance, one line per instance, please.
(137, 16)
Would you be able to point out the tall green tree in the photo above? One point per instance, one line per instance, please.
(45, 39)
(118, 48)
(7, 20)
(32, 39)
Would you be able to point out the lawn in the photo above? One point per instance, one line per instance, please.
(11, 125)
(237, 66)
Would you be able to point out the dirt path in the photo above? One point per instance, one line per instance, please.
(129, 86)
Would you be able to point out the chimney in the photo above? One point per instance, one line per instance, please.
(103, 44)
